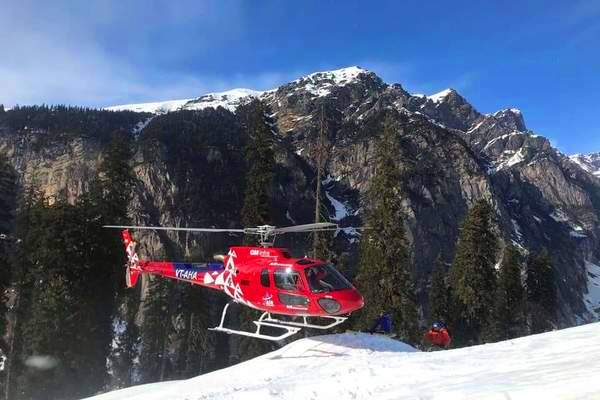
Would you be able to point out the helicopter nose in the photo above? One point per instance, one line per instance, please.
(351, 301)
(360, 300)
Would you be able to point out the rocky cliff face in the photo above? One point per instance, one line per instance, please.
(454, 153)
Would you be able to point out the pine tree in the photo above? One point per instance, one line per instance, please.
(20, 272)
(7, 241)
(541, 292)
(439, 293)
(125, 349)
(66, 270)
(473, 277)
(384, 271)
(260, 161)
(156, 329)
(256, 210)
(67, 303)
(509, 311)
(111, 195)
(116, 177)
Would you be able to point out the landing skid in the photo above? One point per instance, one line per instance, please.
(288, 330)
(266, 320)
(335, 321)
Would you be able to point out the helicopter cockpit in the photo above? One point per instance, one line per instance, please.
(325, 278)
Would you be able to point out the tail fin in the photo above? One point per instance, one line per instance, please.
(133, 266)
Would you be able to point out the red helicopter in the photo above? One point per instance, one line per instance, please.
(262, 277)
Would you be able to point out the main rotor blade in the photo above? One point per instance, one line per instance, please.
(341, 228)
(167, 228)
(306, 227)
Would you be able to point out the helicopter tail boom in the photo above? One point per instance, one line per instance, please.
(207, 274)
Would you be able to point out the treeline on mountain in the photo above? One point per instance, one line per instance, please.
(70, 121)
(203, 149)
(75, 331)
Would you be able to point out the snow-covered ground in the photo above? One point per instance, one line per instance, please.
(556, 365)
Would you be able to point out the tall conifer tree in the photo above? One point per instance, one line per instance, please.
(384, 272)
(8, 188)
(256, 210)
(66, 312)
(260, 166)
(473, 277)
(439, 293)
(509, 312)
(541, 292)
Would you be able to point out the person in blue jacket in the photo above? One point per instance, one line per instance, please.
(383, 324)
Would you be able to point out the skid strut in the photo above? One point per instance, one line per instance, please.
(266, 320)
(288, 330)
(305, 324)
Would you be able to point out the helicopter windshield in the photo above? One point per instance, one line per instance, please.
(325, 278)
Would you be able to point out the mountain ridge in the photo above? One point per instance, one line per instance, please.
(456, 153)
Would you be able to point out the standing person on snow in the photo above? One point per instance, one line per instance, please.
(383, 324)
(438, 335)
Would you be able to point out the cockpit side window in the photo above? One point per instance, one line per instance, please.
(287, 280)
(264, 278)
(325, 278)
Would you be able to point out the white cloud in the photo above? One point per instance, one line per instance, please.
(72, 52)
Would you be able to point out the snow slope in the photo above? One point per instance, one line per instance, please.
(230, 100)
(589, 162)
(159, 107)
(438, 97)
(556, 365)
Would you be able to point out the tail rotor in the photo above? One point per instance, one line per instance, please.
(133, 261)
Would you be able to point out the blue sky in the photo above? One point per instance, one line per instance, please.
(540, 56)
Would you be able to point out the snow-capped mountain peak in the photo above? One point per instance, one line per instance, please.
(514, 111)
(229, 100)
(440, 96)
(320, 84)
(588, 162)
(340, 76)
(157, 107)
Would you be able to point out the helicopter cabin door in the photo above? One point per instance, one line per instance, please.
(291, 289)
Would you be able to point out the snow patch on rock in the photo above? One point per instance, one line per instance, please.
(229, 100)
(341, 211)
(592, 297)
(440, 96)
(319, 84)
(588, 162)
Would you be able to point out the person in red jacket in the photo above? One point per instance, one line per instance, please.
(438, 335)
